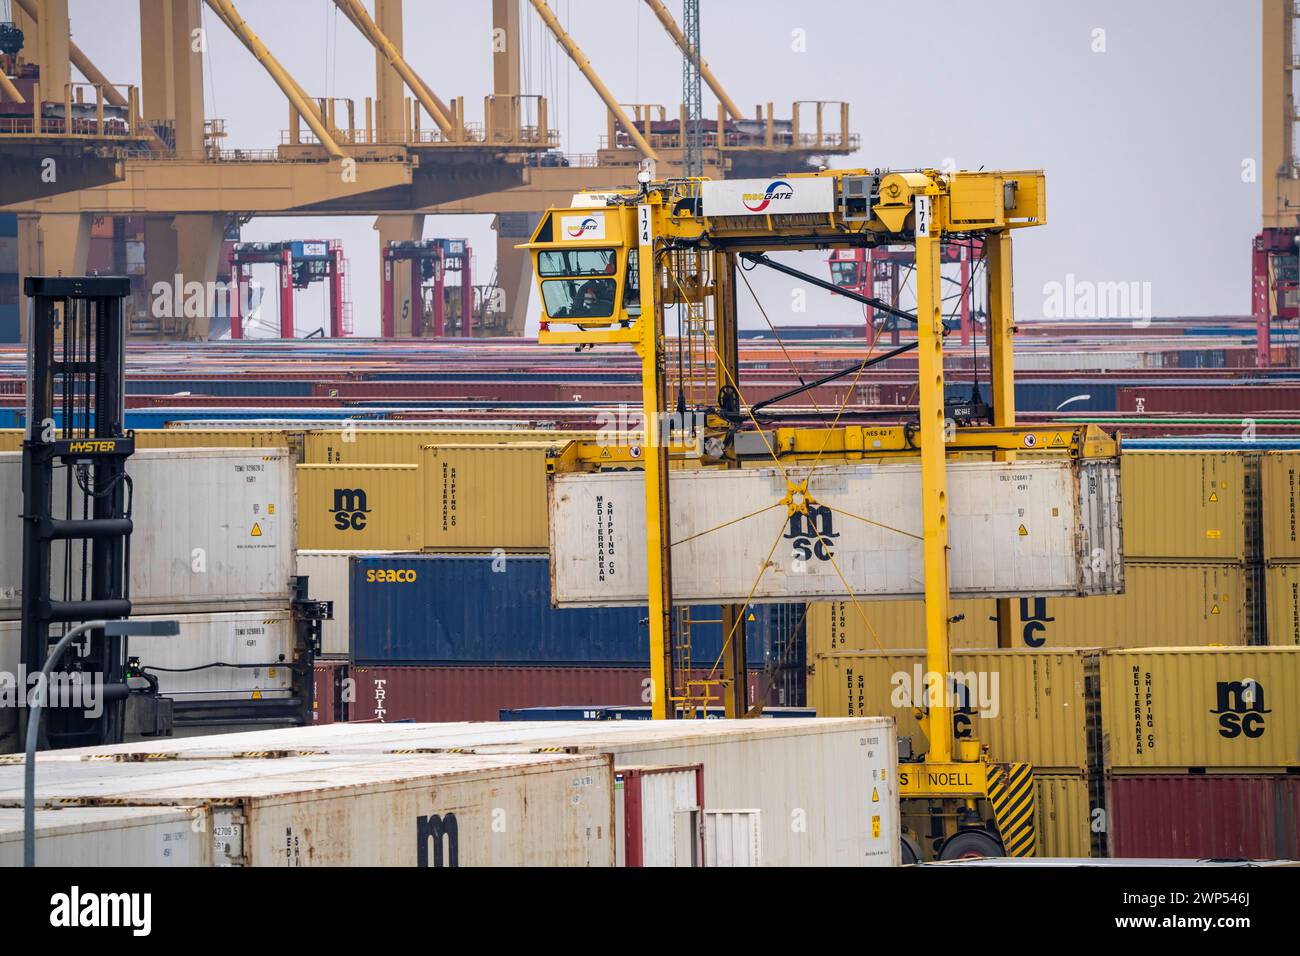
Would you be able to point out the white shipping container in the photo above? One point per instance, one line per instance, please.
(214, 528)
(328, 580)
(107, 836)
(1040, 527)
(733, 838)
(657, 813)
(835, 777)
(255, 644)
(441, 810)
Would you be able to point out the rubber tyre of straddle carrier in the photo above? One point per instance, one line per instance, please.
(909, 851)
(971, 844)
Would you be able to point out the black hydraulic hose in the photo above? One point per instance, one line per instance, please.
(880, 305)
(842, 373)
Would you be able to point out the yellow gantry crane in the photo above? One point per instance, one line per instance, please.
(609, 268)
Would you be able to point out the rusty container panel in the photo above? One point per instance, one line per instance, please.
(1206, 707)
(432, 694)
(1186, 505)
(1282, 586)
(1025, 705)
(485, 497)
(1279, 474)
(1204, 816)
(359, 507)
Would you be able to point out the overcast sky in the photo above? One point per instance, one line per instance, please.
(1141, 113)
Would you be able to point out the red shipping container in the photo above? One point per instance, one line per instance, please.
(327, 701)
(1204, 816)
(433, 694)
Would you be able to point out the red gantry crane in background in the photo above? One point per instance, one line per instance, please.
(431, 260)
(299, 263)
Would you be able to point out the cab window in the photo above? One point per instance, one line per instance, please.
(579, 298)
(577, 262)
(845, 274)
(632, 287)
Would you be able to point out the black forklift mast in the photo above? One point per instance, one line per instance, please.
(76, 496)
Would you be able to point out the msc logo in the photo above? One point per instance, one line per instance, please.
(349, 509)
(587, 225)
(810, 533)
(444, 834)
(776, 190)
(1241, 709)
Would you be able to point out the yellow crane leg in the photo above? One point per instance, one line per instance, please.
(653, 400)
(934, 495)
(997, 264)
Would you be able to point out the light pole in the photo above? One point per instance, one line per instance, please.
(110, 629)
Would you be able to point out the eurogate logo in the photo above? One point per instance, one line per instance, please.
(587, 225)
(757, 202)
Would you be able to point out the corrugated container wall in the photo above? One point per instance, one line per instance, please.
(433, 694)
(1025, 705)
(77, 837)
(1055, 529)
(1204, 816)
(329, 579)
(496, 609)
(1184, 505)
(439, 810)
(360, 507)
(1064, 815)
(1175, 708)
(401, 446)
(1282, 583)
(484, 497)
(1280, 489)
(214, 530)
(1162, 604)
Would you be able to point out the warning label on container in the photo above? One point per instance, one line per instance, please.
(256, 531)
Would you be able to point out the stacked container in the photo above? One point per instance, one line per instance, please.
(1201, 748)
(213, 548)
(1280, 493)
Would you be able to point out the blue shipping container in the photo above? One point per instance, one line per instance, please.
(426, 609)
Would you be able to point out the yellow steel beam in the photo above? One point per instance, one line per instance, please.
(679, 38)
(934, 487)
(184, 186)
(9, 90)
(584, 66)
(1001, 327)
(360, 18)
(295, 94)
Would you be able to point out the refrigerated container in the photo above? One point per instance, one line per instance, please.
(833, 799)
(214, 529)
(657, 815)
(436, 810)
(1042, 527)
(77, 837)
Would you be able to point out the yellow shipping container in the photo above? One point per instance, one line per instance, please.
(839, 626)
(483, 497)
(11, 439)
(1279, 481)
(220, 438)
(401, 446)
(1186, 505)
(1064, 814)
(1025, 705)
(360, 507)
(1282, 585)
(1162, 605)
(1221, 708)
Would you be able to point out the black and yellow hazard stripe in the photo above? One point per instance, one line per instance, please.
(1011, 792)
